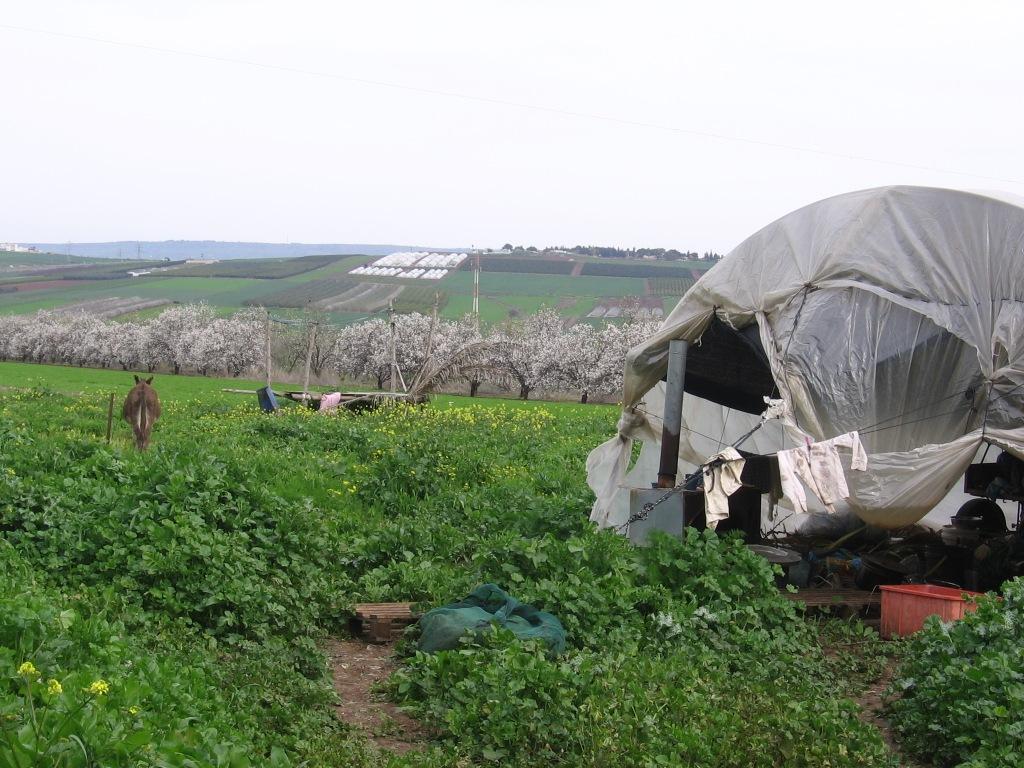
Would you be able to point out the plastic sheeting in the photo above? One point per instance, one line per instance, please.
(894, 312)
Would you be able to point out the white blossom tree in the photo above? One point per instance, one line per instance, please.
(527, 350)
(168, 336)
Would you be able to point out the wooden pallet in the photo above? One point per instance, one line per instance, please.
(827, 597)
(383, 622)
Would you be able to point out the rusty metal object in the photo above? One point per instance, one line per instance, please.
(673, 418)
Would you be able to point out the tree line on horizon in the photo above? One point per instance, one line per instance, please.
(609, 252)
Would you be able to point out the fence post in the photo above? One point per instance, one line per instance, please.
(110, 417)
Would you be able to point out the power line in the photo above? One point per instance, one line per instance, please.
(510, 103)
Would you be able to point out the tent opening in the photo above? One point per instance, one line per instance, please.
(730, 367)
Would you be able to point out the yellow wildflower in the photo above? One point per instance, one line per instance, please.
(28, 669)
(133, 710)
(98, 688)
(54, 688)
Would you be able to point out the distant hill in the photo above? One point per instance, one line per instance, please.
(215, 249)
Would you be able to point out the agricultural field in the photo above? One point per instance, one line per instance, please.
(520, 284)
(103, 270)
(632, 269)
(669, 286)
(229, 292)
(420, 298)
(337, 293)
(517, 264)
(262, 269)
(174, 607)
(507, 290)
(10, 259)
(305, 293)
(115, 306)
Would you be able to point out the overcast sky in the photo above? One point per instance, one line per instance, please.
(625, 123)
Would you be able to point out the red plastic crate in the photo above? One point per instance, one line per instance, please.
(906, 606)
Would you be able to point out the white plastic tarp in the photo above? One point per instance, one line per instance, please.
(896, 312)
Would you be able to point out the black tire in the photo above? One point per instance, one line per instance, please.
(993, 520)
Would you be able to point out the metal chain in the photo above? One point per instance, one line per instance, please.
(648, 507)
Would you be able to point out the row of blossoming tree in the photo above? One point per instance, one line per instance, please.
(537, 352)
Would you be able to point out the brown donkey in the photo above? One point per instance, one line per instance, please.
(141, 410)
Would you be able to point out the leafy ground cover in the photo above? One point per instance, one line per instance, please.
(960, 693)
(164, 608)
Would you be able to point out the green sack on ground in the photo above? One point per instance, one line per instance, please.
(488, 604)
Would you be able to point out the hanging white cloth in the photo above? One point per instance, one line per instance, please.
(819, 467)
(721, 480)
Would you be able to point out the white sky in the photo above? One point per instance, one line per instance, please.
(105, 142)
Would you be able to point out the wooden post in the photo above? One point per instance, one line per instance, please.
(394, 354)
(476, 294)
(110, 417)
(266, 346)
(433, 328)
(309, 361)
(673, 418)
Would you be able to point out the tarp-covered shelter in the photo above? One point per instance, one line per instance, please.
(894, 312)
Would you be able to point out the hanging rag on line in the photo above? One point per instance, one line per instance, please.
(330, 401)
(819, 467)
(721, 479)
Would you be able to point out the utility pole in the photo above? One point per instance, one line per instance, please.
(309, 361)
(476, 293)
(266, 346)
(394, 352)
(433, 328)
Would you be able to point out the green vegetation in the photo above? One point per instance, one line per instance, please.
(522, 284)
(223, 291)
(102, 270)
(669, 286)
(306, 293)
(263, 269)
(420, 298)
(193, 581)
(21, 258)
(635, 269)
(297, 282)
(515, 264)
(962, 686)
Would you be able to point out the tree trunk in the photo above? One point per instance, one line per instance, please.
(524, 392)
(584, 398)
(474, 386)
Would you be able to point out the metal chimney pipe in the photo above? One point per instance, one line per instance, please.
(673, 417)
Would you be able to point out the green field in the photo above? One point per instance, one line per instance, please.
(636, 269)
(669, 286)
(296, 282)
(173, 608)
(197, 577)
(544, 285)
(8, 258)
(264, 269)
(517, 264)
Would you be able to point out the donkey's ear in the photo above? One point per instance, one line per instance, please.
(149, 380)
(137, 379)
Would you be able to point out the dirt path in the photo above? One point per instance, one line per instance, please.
(356, 666)
(872, 704)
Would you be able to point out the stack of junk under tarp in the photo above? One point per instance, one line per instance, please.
(851, 360)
